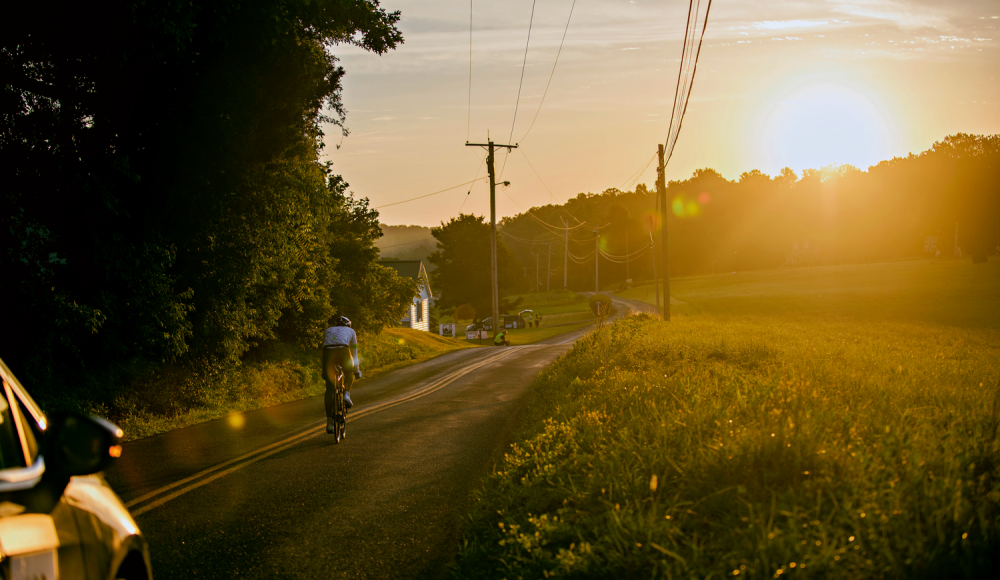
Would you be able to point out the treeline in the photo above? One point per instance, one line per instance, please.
(164, 202)
(837, 214)
(406, 243)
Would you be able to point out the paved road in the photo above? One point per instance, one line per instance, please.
(268, 494)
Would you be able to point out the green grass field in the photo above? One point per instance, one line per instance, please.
(562, 311)
(834, 423)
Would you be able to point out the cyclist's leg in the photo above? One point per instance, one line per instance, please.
(329, 376)
(328, 398)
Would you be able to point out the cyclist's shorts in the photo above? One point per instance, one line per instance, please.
(334, 356)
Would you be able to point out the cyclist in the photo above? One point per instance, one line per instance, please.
(340, 348)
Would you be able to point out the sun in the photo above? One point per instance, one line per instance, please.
(828, 123)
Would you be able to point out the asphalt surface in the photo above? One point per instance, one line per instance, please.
(267, 494)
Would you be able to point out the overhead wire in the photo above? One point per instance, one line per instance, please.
(430, 194)
(527, 241)
(482, 160)
(551, 74)
(638, 174)
(624, 256)
(687, 71)
(680, 74)
(524, 64)
(468, 121)
(545, 224)
(551, 195)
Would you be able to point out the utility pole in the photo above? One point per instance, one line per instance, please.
(597, 260)
(652, 253)
(493, 224)
(566, 255)
(627, 275)
(536, 273)
(548, 268)
(661, 190)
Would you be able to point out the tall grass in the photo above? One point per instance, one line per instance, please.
(743, 445)
(166, 398)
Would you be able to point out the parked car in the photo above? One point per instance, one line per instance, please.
(59, 519)
(509, 322)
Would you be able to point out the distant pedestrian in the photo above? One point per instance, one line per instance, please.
(538, 319)
(501, 339)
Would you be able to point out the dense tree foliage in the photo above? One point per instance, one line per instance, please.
(163, 197)
(837, 214)
(462, 273)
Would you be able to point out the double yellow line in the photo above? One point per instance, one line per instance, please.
(174, 490)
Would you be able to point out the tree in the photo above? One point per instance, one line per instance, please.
(462, 275)
(161, 164)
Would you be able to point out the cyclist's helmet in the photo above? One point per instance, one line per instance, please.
(342, 321)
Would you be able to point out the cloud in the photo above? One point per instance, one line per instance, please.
(904, 15)
(383, 118)
(781, 24)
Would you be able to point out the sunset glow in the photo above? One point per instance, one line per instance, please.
(826, 123)
(798, 85)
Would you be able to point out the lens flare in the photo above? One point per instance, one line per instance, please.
(678, 206)
(704, 197)
(686, 208)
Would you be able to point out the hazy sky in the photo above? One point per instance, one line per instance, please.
(780, 83)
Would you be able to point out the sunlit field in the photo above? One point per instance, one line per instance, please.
(947, 292)
(834, 423)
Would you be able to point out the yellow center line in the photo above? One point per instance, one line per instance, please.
(307, 433)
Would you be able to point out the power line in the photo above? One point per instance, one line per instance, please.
(523, 64)
(624, 260)
(482, 160)
(430, 194)
(692, 24)
(635, 176)
(551, 74)
(527, 241)
(624, 256)
(551, 195)
(545, 224)
(468, 121)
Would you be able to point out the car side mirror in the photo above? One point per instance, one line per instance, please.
(76, 444)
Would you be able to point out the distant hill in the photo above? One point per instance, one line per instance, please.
(406, 243)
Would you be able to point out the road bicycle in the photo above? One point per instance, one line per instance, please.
(339, 408)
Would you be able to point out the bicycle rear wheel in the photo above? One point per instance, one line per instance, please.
(338, 409)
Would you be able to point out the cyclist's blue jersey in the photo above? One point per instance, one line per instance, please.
(340, 336)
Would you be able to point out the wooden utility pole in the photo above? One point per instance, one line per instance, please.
(536, 273)
(627, 275)
(493, 224)
(652, 253)
(548, 269)
(597, 260)
(661, 190)
(566, 255)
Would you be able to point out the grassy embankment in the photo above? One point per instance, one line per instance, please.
(826, 423)
(277, 374)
